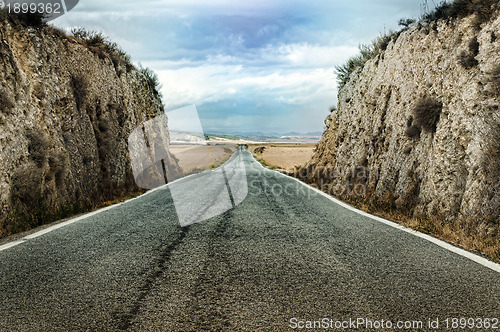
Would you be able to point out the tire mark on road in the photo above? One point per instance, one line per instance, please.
(125, 319)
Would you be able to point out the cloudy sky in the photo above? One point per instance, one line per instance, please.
(247, 65)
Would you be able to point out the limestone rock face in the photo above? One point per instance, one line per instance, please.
(421, 123)
(65, 116)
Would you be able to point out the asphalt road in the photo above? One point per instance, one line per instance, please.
(277, 259)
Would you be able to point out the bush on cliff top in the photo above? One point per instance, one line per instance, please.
(151, 80)
(25, 19)
(367, 52)
(482, 9)
(101, 45)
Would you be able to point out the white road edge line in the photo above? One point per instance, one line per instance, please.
(462, 252)
(10, 245)
(84, 216)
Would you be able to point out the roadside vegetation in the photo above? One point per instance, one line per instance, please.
(469, 234)
(103, 47)
(426, 113)
(446, 10)
(151, 81)
(34, 20)
(35, 186)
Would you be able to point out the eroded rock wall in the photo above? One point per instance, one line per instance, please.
(65, 115)
(419, 125)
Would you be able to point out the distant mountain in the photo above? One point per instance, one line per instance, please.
(259, 134)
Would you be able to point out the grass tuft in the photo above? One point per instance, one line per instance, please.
(37, 147)
(151, 80)
(367, 52)
(80, 90)
(413, 131)
(101, 45)
(34, 20)
(427, 112)
(6, 103)
(468, 59)
(482, 9)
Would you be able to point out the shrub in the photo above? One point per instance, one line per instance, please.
(99, 44)
(482, 9)
(495, 80)
(406, 22)
(413, 131)
(457, 9)
(468, 59)
(344, 71)
(26, 187)
(151, 80)
(35, 20)
(57, 168)
(426, 112)
(80, 90)
(259, 150)
(6, 103)
(367, 52)
(37, 147)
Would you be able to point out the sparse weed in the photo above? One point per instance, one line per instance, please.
(367, 52)
(80, 90)
(37, 147)
(29, 19)
(468, 59)
(413, 131)
(427, 112)
(151, 80)
(482, 9)
(104, 48)
(406, 22)
(6, 103)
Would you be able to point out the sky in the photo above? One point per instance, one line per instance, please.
(248, 66)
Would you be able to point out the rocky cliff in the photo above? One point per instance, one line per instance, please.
(418, 126)
(67, 107)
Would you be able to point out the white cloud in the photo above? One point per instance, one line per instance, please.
(301, 74)
(262, 53)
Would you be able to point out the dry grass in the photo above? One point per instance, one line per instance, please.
(284, 156)
(195, 158)
(413, 131)
(468, 59)
(103, 47)
(19, 220)
(480, 236)
(80, 90)
(481, 9)
(494, 80)
(37, 147)
(426, 112)
(6, 103)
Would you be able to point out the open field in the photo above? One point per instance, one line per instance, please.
(285, 156)
(193, 158)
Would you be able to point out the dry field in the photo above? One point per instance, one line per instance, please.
(194, 158)
(285, 156)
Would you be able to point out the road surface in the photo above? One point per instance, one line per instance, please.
(281, 259)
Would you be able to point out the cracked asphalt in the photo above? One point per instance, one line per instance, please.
(278, 255)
